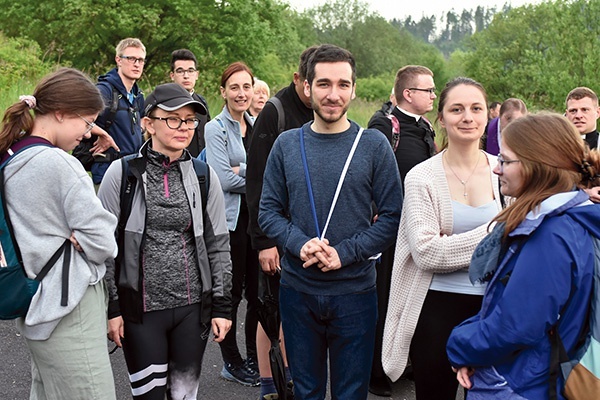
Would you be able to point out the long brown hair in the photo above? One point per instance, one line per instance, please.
(67, 90)
(553, 158)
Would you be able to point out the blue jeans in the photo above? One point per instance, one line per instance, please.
(344, 326)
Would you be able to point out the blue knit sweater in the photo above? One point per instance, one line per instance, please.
(285, 212)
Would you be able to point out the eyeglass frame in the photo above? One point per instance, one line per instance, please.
(430, 90)
(90, 125)
(133, 60)
(502, 161)
(181, 121)
(182, 72)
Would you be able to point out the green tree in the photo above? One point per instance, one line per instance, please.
(538, 52)
(85, 32)
(20, 61)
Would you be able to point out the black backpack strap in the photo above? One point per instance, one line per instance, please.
(280, 113)
(66, 248)
(128, 183)
(114, 106)
(203, 174)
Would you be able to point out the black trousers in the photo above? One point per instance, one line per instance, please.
(384, 279)
(164, 353)
(442, 311)
(245, 270)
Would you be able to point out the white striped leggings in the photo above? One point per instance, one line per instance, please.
(164, 353)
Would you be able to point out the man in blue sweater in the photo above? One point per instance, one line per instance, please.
(327, 296)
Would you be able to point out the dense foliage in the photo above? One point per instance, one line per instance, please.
(536, 52)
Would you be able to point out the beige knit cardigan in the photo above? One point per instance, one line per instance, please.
(425, 246)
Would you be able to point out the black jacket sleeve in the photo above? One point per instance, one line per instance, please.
(265, 132)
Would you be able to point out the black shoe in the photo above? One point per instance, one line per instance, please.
(251, 366)
(239, 374)
(380, 386)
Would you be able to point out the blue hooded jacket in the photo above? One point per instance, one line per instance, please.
(546, 271)
(126, 128)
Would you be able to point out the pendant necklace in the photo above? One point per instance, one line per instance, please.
(463, 182)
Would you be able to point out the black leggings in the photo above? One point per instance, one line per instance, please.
(245, 270)
(164, 353)
(442, 311)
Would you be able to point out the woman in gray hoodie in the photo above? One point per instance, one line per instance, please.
(51, 199)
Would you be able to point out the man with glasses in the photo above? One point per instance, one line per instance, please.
(412, 138)
(184, 71)
(124, 105)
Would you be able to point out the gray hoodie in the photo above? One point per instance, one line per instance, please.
(49, 195)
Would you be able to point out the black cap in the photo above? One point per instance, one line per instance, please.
(171, 97)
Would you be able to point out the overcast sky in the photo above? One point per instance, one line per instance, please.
(400, 9)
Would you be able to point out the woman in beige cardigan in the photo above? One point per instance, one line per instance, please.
(449, 201)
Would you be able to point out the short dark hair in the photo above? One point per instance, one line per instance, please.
(304, 57)
(182, 54)
(494, 104)
(329, 53)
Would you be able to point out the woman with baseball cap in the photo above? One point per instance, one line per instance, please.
(171, 283)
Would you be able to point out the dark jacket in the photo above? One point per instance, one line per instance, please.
(265, 133)
(384, 111)
(124, 281)
(198, 143)
(416, 139)
(592, 139)
(125, 128)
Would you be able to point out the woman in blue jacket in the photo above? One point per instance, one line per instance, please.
(227, 139)
(538, 260)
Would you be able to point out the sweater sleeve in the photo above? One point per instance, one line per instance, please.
(218, 158)
(273, 215)
(109, 195)
(387, 195)
(425, 214)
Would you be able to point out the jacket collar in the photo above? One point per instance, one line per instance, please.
(553, 205)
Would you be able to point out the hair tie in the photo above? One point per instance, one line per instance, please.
(29, 100)
(585, 168)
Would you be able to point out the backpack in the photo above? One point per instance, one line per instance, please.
(16, 288)
(582, 373)
(128, 183)
(82, 151)
(202, 155)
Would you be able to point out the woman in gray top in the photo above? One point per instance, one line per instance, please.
(171, 283)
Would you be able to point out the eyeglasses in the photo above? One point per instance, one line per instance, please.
(189, 71)
(133, 60)
(90, 125)
(175, 123)
(430, 90)
(502, 161)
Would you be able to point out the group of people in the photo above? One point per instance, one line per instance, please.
(384, 247)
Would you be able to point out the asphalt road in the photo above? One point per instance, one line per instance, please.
(15, 374)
